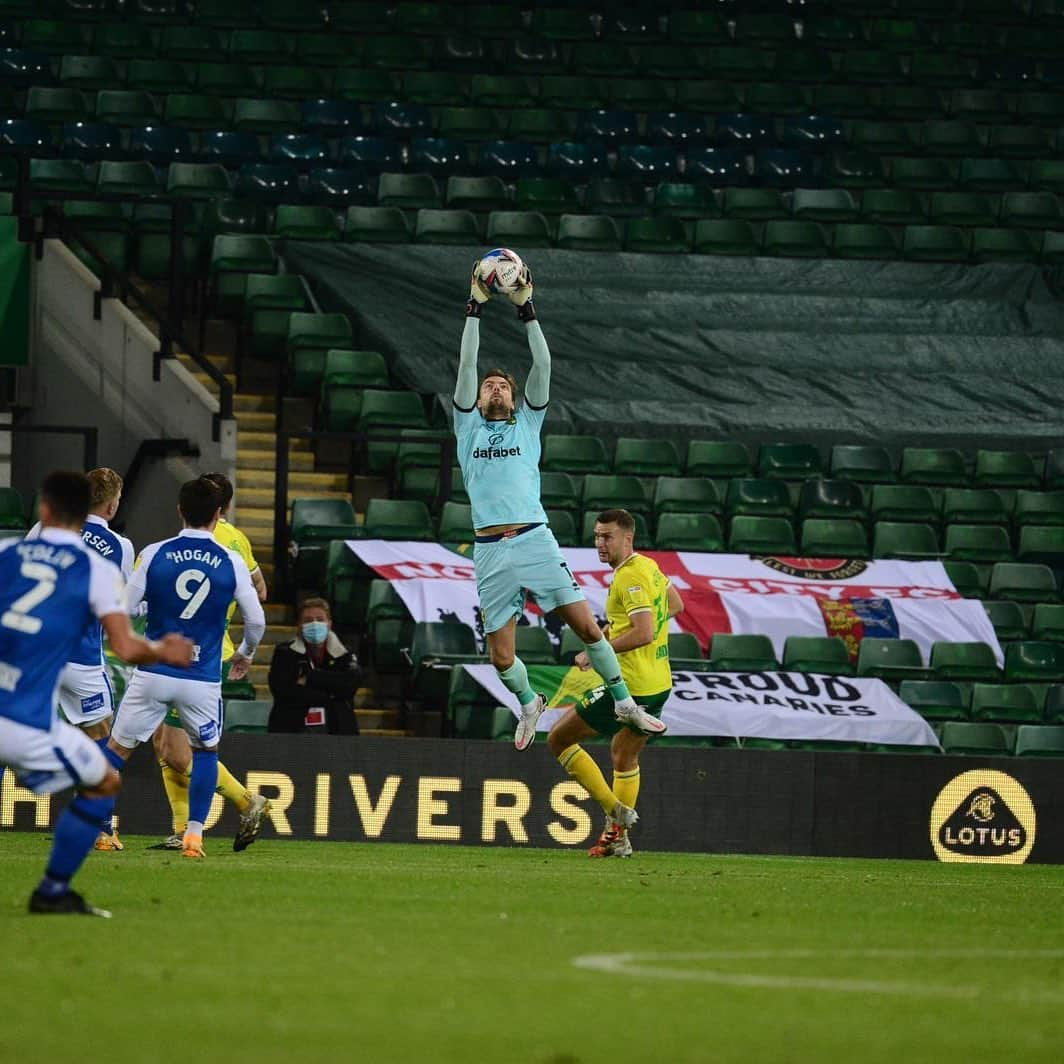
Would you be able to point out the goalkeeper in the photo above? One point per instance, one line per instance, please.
(515, 551)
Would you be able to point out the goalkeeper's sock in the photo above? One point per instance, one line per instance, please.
(232, 790)
(604, 661)
(176, 785)
(201, 786)
(626, 786)
(75, 834)
(516, 680)
(581, 766)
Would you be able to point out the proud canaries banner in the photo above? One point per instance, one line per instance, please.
(764, 705)
(773, 596)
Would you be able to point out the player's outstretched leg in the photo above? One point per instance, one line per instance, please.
(512, 672)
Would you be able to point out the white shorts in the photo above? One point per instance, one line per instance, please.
(50, 761)
(149, 695)
(85, 694)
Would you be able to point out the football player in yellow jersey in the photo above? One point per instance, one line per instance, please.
(171, 744)
(639, 605)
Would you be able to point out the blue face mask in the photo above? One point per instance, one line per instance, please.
(315, 631)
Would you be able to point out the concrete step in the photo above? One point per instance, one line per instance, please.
(267, 441)
(263, 498)
(257, 420)
(255, 458)
(386, 733)
(304, 483)
(258, 674)
(390, 719)
(208, 383)
(278, 613)
(223, 362)
(259, 518)
(275, 633)
(243, 403)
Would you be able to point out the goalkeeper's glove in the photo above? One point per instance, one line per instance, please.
(478, 293)
(522, 296)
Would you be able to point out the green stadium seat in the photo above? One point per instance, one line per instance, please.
(407, 190)
(615, 197)
(1018, 142)
(575, 454)
(587, 531)
(55, 37)
(789, 461)
(736, 63)
(305, 223)
(268, 300)
(1053, 476)
(533, 645)
(122, 40)
(684, 646)
(688, 202)
(962, 208)
(232, 259)
(391, 409)
(826, 655)
(759, 497)
(1040, 107)
(933, 465)
(725, 237)
(294, 82)
(971, 581)
(1019, 582)
(396, 53)
(1054, 704)
(659, 235)
(834, 538)
(468, 123)
(978, 543)
(1038, 508)
(718, 458)
(689, 532)
(436, 647)
(975, 740)
(742, 653)
(761, 535)
(563, 525)
(794, 239)
(861, 463)
(936, 700)
(309, 337)
(137, 178)
(227, 80)
(964, 661)
(1052, 248)
(476, 193)
(831, 499)
(1037, 661)
(588, 233)
(1005, 469)
(686, 495)
(868, 67)
(607, 492)
(546, 194)
(753, 204)
(12, 510)
(921, 173)
(1035, 741)
(345, 368)
(973, 506)
(1009, 621)
(1041, 544)
(364, 85)
(191, 111)
(862, 241)
(892, 206)
(557, 491)
(456, 523)
(121, 107)
(289, 15)
(905, 502)
(59, 175)
(890, 659)
(883, 138)
(397, 519)
(1005, 245)
(950, 137)
(438, 88)
(823, 204)
(446, 227)
(989, 175)
(376, 225)
(249, 716)
(912, 541)
(266, 116)
(1005, 703)
(934, 243)
(197, 180)
(1047, 622)
(527, 229)
(707, 97)
(647, 457)
(697, 26)
(159, 76)
(88, 72)
(56, 105)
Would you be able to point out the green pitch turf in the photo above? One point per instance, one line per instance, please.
(302, 952)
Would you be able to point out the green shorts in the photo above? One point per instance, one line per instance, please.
(173, 720)
(596, 710)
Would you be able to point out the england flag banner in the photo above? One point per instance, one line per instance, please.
(773, 596)
(763, 705)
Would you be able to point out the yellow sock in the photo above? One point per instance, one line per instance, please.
(626, 786)
(230, 788)
(581, 766)
(176, 784)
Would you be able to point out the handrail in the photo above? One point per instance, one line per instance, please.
(171, 322)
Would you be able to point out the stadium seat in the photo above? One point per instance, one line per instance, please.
(197, 112)
(232, 259)
(713, 458)
(823, 204)
(646, 457)
(305, 223)
(904, 502)
(563, 525)
(90, 141)
(926, 465)
(890, 659)
(831, 499)
(575, 454)
(864, 464)
(126, 108)
(410, 191)
(1018, 582)
(309, 337)
(549, 195)
(725, 237)
(527, 229)
(376, 225)
(456, 523)
(588, 233)
(122, 40)
(267, 303)
(59, 175)
(1038, 508)
(742, 653)
(617, 198)
(322, 520)
(826, 655)
(1043, 545)
(717, 167)
(936, 700)
(397, 519)
(788, 461)
(1035, 741)
(973, 506)
(1009, 621)
(1005, 245)
(446, 227)
(558, 491)
(861, 241)
(1005, 469)
(246, 715)
(975, 740)
(761, 535)
(438, 156)
(659, 235)
(912, 541)
(759, 497)
(964, 661)
(833, 538)
(1005, 703)
(436, 648)
(978, 543)
(476, 193)
(689, 532)
(989, 175)
(1047, 622)
(686, 495)
(972, 581)
(1034, 660)
(196, 180)
(684, 646)
(533, 645)
(794, 239)
(685, 201)
(607, 492)
(364, 84)
(753, 204)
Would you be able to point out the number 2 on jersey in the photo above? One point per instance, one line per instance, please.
(184, 584)
(17, 615)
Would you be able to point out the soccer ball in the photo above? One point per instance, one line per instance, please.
(500, 270)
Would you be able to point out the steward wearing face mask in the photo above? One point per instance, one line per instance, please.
(314, 678)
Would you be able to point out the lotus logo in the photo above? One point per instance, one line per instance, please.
(982, 808)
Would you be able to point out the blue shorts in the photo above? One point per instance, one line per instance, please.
(507, 568)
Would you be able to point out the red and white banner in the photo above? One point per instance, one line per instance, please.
(777, 597)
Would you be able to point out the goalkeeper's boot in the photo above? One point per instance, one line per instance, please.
(637, 717)
(613, 842)
(526, 726)
(70, 903)
(623, 816)
(251, 822)
(192, 846)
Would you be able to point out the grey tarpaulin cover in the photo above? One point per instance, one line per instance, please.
(697, 346)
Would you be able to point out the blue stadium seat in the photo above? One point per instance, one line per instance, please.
(25, 135)
(1008, 72)
(738, 130)
(438, 155)
(676, 128)
(812, 132)
(20, 67)
(402, 119)
(304, 150)
(643, 162)
(332, 117)
(160, 144)
(509, 158)
(372, 153)
(91, 141)
(229, 147)
(268, 181)
(339, 187)
(718, 166)
(786, 168)
(576, 160)
(609, 127)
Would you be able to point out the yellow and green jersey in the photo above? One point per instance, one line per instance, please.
(640, 586)
(230, 536)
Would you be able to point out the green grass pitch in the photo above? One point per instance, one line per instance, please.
(310, 951)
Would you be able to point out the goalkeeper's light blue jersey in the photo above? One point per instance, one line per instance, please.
(500, 465)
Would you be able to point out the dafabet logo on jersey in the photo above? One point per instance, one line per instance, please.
(984, 817)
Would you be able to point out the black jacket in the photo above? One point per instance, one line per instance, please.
(331, 685)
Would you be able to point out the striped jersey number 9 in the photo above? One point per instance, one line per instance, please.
(17, 615)
(186, 581)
